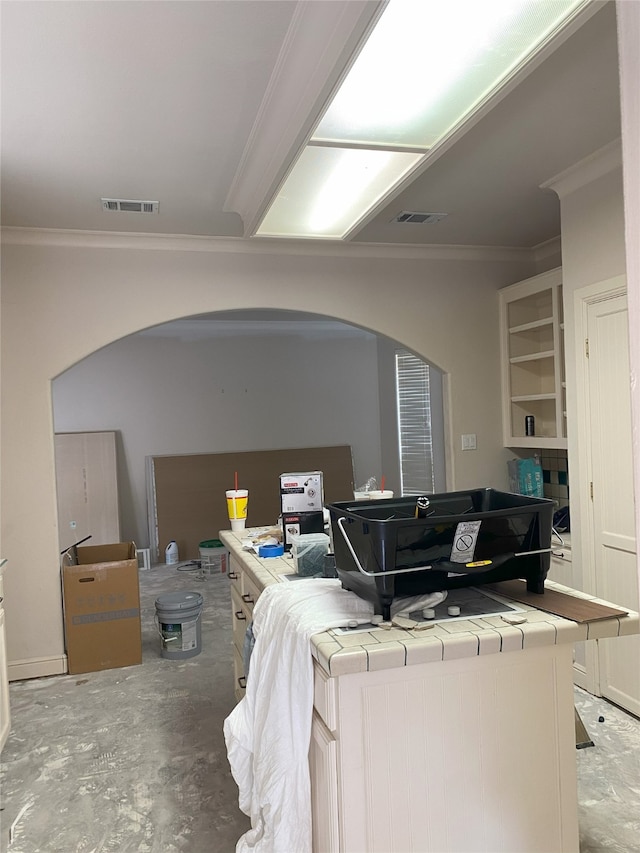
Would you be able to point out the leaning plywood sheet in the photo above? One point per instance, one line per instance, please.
(188, 490)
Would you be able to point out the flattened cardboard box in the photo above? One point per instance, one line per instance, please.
(101, 598)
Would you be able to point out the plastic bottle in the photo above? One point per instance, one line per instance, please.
(171, 553)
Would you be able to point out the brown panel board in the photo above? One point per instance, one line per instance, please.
(190, 489)
(558, 603)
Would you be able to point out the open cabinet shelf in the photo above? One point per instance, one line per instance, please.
(533, 383)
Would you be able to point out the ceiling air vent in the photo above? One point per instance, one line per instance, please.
(413, 218)
(127, 205)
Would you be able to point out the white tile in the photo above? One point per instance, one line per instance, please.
(603, 628)
(629, 624)
(428, 650)
(386, 656)
(360, 638)
(324, 652)
(348, 661)
(512, 639)
(462, 626)
(385, 635)
(489, 642)
(570, 632)
(460, 646)
(538, 616)
(538, 634)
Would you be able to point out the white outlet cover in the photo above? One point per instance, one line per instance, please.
(469, 441)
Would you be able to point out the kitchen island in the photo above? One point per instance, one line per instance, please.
(456, 738)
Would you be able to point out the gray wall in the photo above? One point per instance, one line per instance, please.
(251, 390)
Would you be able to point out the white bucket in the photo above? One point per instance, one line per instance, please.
(213, 557)
(178, 615)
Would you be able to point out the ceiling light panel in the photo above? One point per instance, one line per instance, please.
(427, 66)
(428, 62)
(328, 187)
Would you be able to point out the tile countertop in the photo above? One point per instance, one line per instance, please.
(387, 648)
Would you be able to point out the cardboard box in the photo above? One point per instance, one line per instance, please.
(296, 523)
(101, 599)
(301, 492)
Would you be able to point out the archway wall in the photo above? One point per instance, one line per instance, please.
(62, 302)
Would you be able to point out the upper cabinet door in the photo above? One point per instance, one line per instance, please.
(532, 349)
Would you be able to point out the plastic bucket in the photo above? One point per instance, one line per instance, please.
(178, 615)
(213, 557)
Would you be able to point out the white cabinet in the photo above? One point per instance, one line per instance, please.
(323, 771)
(244, 594)
(533, 380)
(561, 568)
(424, 757)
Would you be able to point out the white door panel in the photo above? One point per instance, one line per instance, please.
(613, 527)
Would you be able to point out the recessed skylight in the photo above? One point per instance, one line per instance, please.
(426, 67)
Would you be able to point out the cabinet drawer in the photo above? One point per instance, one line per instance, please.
(240, 618)
(240, 682)
(561, 568)
(249, 592)
(324, 697)
(235, 574)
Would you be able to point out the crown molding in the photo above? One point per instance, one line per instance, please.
(320, 42)
(549, 249)
(62, 238)
(587, 170)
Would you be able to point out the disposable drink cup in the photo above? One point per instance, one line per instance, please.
(237, 501)
(377, 494)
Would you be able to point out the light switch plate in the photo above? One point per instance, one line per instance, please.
(469, 441)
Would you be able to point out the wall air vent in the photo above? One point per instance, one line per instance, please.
(414, 218)
(127, 205)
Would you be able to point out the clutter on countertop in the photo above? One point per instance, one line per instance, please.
(302, 501)
(309, 551)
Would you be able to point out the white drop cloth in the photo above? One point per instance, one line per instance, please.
(268, 733)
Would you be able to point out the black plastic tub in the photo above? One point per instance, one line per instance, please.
(468, 538)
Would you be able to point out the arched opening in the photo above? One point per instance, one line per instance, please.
(241, 380)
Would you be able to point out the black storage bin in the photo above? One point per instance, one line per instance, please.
(467, 538)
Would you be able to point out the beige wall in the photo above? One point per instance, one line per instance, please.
(628, 40)
(74, 294)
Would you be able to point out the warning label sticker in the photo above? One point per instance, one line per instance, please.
(464, 541)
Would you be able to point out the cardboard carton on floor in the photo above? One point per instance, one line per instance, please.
(101, 597)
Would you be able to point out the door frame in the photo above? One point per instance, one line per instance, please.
(587, 674)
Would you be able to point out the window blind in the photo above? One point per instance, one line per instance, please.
(413, 404)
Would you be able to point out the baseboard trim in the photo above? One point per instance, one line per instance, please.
(20, 670)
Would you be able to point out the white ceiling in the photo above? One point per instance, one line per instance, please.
(202, 105)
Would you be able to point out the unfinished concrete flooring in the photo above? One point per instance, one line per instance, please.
(129, 759)
(134, 759)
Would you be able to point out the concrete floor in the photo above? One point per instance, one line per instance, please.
(129, 759)
(133, 759)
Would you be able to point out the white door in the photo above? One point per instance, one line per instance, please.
(614, 547)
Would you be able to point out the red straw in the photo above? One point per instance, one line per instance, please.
(236, 481)
(382, 484)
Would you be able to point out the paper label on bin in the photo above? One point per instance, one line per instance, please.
(464, 541)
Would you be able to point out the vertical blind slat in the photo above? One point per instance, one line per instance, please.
(414, 424)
